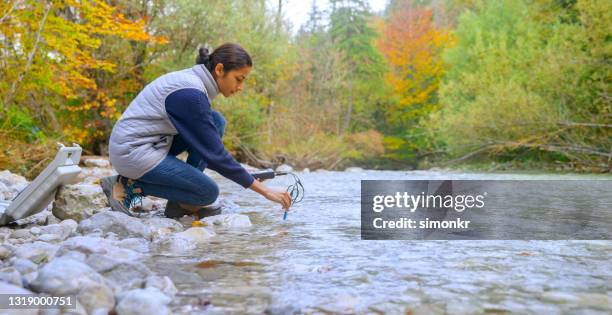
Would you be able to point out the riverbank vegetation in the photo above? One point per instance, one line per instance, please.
(422, 84)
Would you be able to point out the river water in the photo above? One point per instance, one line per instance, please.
(315, 261)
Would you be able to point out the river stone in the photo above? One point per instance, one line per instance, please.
(63, 276)
(92, 175)
(162, 227)
(353, 169)
(5, 252)
(78, 201)
(37, 252)
(5, 192)
(85, 244)
(22, 233)
(24, 266)
(284, 168)
(97, 162)
(7, 288)
(74, 255)
(164, 284)
(96, 297)
(10, 179)
(57, 232)
(128, 275)
(117, 222)
(96, 245)
(143, 302)
(11, 275)
(228, 220)
(137, 244)
(52, 238)
(196, 234)
(183, 242)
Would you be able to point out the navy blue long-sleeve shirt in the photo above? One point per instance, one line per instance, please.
(191, 114)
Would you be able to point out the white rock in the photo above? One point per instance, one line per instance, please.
(92, 175)
(63, 276)
(7, 288)
(37, 252)
(97, 162)
(63, 229)
(143, 302)
(5, 252)
(10, 179)
(22, 233)
(96, 297)
(306, 170)
(353, 169)
(117, 222)
(284, 168)
(164, 284)
(128, 275)
(183, 242)
(11, 275)
(52, 238)
(35, 230)
(5, 192)
(228, 220)
(196, 234)
(137, 244)
(97, 245)
(78, 201)
(74, 255)
(24, 266)
(156, 223)
(86, 244)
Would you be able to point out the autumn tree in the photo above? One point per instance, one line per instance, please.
(412, 46)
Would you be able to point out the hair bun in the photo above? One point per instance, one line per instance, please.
(203, 56)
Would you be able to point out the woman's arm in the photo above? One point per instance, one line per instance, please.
(281, 197)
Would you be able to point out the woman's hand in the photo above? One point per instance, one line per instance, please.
(281, 197)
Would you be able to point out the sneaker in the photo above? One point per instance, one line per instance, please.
(174, 210)
(118, 198)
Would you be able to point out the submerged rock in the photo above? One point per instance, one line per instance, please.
(164, 284)
(143, 302)
(117, 222)
(183, 242)
(79, 201)
(163, 227)
(228, 220)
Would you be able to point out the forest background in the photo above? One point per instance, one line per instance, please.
(509, 84)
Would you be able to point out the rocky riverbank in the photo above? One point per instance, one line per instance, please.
(78, 246)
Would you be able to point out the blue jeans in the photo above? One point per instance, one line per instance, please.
(181, 182)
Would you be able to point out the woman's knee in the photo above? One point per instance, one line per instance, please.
(208, 193)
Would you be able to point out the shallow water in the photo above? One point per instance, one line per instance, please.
(316, 262)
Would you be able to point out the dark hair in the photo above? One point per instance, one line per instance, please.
(231, 55)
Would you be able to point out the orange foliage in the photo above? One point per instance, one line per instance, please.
(412, 45)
